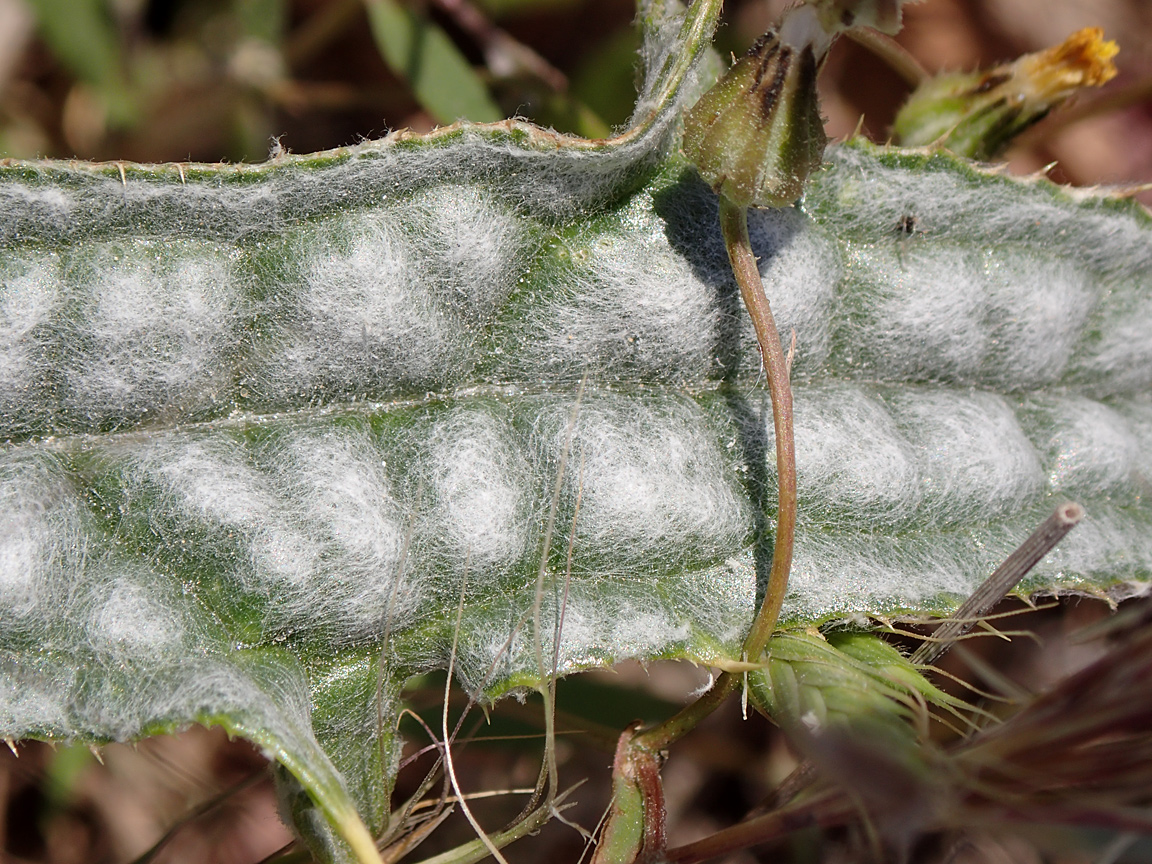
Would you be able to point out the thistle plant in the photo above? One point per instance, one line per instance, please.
(279, 437)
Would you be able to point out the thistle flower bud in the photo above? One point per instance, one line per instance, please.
(807, 683)
(842, 680)
(978, 114)
(758, 134)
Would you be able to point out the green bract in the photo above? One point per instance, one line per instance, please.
(758, 134)
(259, 418)
(811, 684)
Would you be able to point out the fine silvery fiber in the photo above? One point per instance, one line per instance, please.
(259, 416)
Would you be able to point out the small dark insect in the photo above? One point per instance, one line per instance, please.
(905, 228)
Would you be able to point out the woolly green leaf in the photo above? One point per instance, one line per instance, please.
(265, 425)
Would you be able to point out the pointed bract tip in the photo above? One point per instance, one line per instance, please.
(757, 134)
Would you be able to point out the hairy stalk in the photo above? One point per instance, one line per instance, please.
(549, 532)
(548, 778)
(449, 767)
(734, 224)
(635, 828)
(549, 693)
(540, 807)
(383, 677)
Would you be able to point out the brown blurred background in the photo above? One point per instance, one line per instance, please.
(209, 80)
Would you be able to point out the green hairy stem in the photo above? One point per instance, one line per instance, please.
(257, 417)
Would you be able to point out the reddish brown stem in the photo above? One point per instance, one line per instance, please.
(634, 831)
(638, 757)
(823, 812)
(734, 224)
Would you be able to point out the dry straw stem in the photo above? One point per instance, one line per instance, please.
(1066, 517)
(1080, 754)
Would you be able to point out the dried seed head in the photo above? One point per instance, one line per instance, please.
(978, 114)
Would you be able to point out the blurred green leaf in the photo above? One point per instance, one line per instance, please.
(605, 81)
(64, 771)
(82, 36)
(262, 19)
(443, 81)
